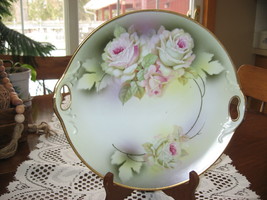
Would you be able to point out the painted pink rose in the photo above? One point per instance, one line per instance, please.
(169, 150)
(173, 149)
(154, 80)
(120, 57)
(169, 153)
(176, 49)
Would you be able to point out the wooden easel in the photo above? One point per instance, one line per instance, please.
(185, 191)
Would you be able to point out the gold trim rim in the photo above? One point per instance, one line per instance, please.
(70, 62)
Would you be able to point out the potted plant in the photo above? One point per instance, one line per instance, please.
(21, 49)
(19, 75)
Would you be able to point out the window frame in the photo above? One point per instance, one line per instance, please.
(71, 26)
(71, 20)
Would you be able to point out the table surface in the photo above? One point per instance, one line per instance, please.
(247, 148)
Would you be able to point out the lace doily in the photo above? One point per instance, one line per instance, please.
(55, 172)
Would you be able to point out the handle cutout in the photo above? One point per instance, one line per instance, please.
(234, 104)
(65, 98)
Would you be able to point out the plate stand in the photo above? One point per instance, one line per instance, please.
(185, 191)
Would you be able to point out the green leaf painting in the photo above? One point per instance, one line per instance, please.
(127, 165)
(93, 76)
(126, 93)
(148, 60)
(164, 152)
(204, 63)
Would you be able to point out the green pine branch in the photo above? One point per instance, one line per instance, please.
(5, 7)
(15, 43)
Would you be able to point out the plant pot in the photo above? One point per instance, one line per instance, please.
(20, 80)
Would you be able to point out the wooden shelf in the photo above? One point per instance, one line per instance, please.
(262, 52)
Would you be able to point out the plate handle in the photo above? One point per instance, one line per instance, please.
(62, 96)
(235, 108)
(236, 115)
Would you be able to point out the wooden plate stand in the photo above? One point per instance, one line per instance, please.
(185, 191)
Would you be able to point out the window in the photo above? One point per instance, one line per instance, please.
(96, 12)
(54, 21)
(41, 20)
(66, 23)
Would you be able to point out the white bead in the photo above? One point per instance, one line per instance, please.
(19, 118)
(20, 109)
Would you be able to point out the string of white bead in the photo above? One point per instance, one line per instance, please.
(15, 100)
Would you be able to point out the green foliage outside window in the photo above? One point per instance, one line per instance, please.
(45, 10)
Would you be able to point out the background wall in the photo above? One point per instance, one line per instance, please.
(234, 27)
(261, 20)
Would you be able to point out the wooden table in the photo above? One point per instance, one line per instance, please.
(247, 149)
(42, 110)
